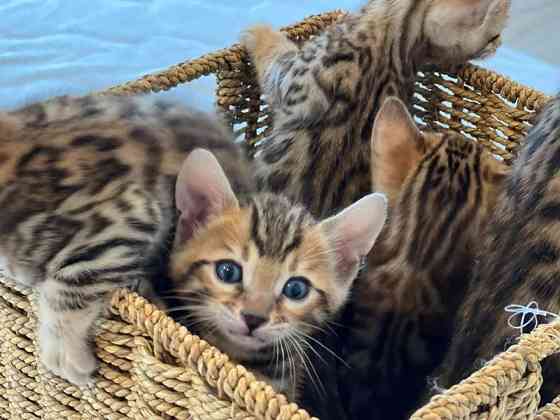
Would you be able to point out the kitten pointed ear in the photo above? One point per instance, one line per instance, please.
(355, 230)
(397, 147)
(202, 191)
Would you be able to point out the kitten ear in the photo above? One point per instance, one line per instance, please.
(397, 146)
(202, 190)
(354, 231)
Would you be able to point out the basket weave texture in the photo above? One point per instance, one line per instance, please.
(153, 368)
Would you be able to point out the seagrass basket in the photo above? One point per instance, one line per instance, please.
(152, 368)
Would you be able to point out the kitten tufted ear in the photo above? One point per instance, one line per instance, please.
(202, 190)
(397, 148)
(354, 231)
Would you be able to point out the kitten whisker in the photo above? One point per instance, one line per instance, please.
(336, 324)
(283, 359)
(292, 364)
(182, 294)
(179, 308)
(308, 365)
(318, 328)
(310, 347)
(307, 336)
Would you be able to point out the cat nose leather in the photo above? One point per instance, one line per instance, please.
(253, 321)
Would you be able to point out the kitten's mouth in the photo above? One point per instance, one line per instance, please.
(248, 341)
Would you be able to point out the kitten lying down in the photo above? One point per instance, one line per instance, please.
(96, 193)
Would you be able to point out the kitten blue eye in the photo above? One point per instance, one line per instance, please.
(229, 272)
(296, 288)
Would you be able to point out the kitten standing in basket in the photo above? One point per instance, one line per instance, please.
(519, 259)
(97, 193)
(326, 94)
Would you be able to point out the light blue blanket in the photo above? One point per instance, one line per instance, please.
(53, 47)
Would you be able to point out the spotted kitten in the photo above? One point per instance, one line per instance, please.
(442, 188)
(325, 95)
(519, 261)
(100, 193)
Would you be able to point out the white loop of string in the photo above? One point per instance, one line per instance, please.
(529, 315)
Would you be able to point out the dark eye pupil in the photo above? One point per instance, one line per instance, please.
(296, 288)
(228, 272)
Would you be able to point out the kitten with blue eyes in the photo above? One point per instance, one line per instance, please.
(98, 193)
(263, 277)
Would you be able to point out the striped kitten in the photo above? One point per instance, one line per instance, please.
(261, 280)
(100, 193)
(325, 95)
(520, 259)
(443, 189)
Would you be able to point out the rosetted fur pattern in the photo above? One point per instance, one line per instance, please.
(325, 95)
(100, 193)
(86, 199)
(519, 262)
(441, 189)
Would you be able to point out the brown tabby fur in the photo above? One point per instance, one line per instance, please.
(86, 199)
(274, 240)
(100, 193)
(443, 189)
(325, 95)
(520, 259)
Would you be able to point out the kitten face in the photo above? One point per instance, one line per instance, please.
(254, 293)
(460, 30)
(252, 273)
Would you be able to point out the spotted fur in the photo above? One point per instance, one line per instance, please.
(100, 193)
(86, 199)
(519, 260)
(443, 189)
(326, 94)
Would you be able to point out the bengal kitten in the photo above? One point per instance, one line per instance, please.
(325, 95)
(264, 278)
(100, 193)
(443, 188)
(520, 259)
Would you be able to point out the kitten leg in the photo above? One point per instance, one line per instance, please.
(272, 54)
(66, 317)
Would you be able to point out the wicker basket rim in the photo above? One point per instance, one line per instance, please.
(229, 59)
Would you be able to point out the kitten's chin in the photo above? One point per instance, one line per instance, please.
(247, 342)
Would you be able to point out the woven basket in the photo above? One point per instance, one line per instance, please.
(153, 368)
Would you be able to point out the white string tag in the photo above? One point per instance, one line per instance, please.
(529, 315)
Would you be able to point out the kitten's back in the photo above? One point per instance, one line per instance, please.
(77, 164)
(520, 259)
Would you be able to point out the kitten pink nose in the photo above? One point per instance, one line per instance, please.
(253, 321)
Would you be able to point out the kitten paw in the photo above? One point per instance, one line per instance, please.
(70, 358)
